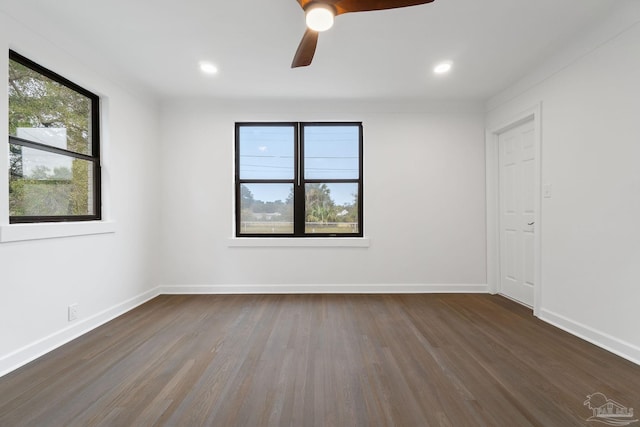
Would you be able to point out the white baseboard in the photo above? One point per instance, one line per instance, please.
(323, 289)
(30, 352)
(614, 345)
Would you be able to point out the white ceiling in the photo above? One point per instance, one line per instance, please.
(383, 54)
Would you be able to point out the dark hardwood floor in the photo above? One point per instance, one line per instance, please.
(319, 360)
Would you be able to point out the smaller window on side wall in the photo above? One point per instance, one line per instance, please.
(54, 146)
(299, 179)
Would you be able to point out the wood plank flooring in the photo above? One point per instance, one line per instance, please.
(319, 360)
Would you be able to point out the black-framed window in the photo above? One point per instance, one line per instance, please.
(299, 179)
(54, 146)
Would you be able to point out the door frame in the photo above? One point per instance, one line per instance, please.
(493, 199)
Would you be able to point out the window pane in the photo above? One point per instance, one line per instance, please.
(45, 111)
(331, 208)
(266, 152)
(331, 152)
(266, 208)
(48, 184)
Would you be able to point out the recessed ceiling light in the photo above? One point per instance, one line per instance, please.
(208, 68)
(443, 67)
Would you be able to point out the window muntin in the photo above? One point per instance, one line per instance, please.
(54, 168)
(299, 179)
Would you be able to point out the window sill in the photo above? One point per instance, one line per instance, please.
(286, 242)
(52, 230)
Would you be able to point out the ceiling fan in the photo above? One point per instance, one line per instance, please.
(320, 14)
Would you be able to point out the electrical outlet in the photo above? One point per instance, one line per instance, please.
(73, 312)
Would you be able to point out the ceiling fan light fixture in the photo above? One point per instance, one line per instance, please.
(319, 17)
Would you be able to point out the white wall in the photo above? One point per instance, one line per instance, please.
(107, 273)
(590, 241)
(423, 201)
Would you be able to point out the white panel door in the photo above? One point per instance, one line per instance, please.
(517, 212)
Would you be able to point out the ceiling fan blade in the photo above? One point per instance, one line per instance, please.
(306, 49)
(345, 6)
